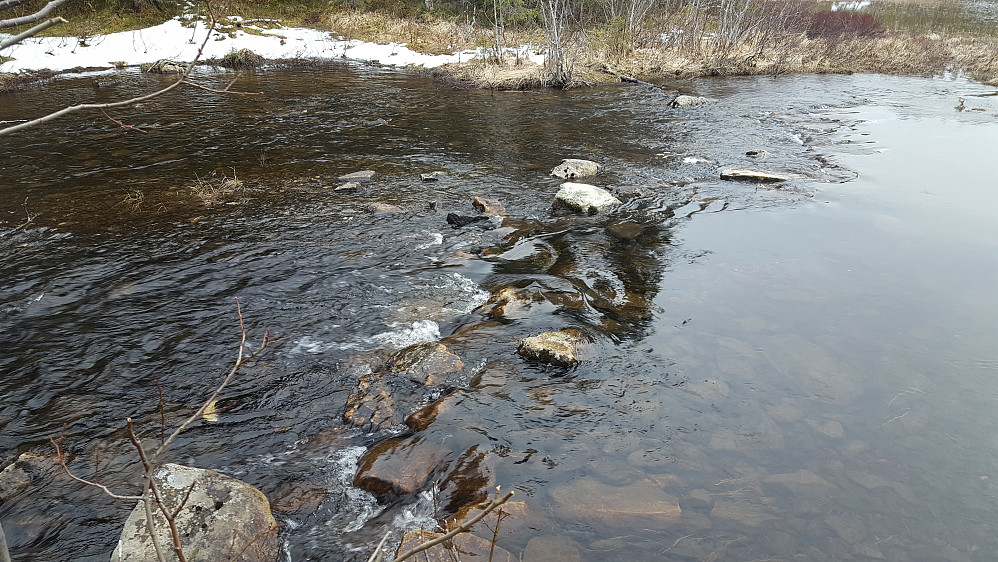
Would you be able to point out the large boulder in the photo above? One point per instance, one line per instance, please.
(583, 198)
(571, 168)
(220, 516)
(558, 348)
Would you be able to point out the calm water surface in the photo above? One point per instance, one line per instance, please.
(809, 371)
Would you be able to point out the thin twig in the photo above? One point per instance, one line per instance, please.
(225, 90)
(464, 527)
(122, 124)
(61, 460)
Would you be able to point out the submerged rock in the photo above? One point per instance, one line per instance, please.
(363, 175)
(27, 468)
(220, 515)
(558, 348)
(571, 168)
(746, 174)
(584, 198)
(628, 230)
(398, 466)
(632, 506)
(684, 101)
(467, 544)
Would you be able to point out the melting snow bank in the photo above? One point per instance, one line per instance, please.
(175, 41)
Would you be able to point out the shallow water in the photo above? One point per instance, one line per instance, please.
(808, 370)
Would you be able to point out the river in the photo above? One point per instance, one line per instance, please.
(808, 369)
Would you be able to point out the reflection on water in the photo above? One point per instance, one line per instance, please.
(803, 371)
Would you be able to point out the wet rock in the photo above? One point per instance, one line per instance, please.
(27, 468)
(558, 348)
(421, 419)
(552, 548)
(583, 198)
(627, 230)
(4, 553)
(348, 187)
(684, 101)
(467, 544)
(302, 498)
(383, 208)
(361, 176)
(218, 512)
(746, 174)
(488, 207)
(803, 483)
(652, 459)
(757, 153)
(571, 168)
(618, 507)
(433, 176)
(852, 529)
(370, 405)
(744, 512)
(507, 304)
(460, 221)
(532, 254)
(398, 466)
(165, 66)
(829, 428)
(426, 363)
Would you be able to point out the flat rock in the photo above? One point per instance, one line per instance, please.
(398, 466)
(584, 198)
(747, 174)
(558, 348)
(466, 544)
(571, 168)
(618, 507)
(349, 187)
(363, 175)
(433, 176)
(427, 363)
(422, 418)
(458, 221)
(684, 101)
(218, 512)
(803, 483)
(383, 208)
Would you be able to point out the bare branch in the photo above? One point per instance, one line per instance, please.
(464, 527)
(61, 460)
(225, 90)
(31, 32)
(133, 128)
(132, 101)
(378, 553)
(40, 14)
(7, 4)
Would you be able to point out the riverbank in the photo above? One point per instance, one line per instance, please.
(477, 56)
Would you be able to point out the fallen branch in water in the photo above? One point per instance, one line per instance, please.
(463, 528)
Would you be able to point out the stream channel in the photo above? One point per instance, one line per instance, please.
(809, 370)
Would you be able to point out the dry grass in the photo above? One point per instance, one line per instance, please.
(213, 190)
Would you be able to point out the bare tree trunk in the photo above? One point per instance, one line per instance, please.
(557, 68)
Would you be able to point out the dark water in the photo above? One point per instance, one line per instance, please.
(809, 371)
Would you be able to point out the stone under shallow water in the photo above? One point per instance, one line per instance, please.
(557, 348)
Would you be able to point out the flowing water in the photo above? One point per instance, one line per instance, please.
(809, 370)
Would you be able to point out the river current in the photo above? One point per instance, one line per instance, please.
(809, 369)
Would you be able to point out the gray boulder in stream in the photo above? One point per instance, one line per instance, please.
(571, 168)
(221, 517)
(583, 198)
(684, 101)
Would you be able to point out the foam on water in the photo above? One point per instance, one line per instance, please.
(408, 334)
